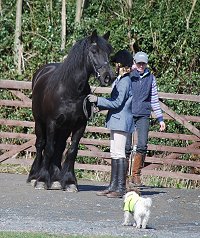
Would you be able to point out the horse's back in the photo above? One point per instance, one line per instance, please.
(44, 72)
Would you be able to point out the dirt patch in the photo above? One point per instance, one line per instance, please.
(175, 212)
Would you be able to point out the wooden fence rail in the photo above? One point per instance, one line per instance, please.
(13, 142)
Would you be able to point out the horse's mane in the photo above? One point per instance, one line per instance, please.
(78, 53)
(77, 56)
(76, 59)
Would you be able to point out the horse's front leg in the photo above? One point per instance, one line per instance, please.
(44, 179)
(68, 177)
(60, 144)
(39, 144)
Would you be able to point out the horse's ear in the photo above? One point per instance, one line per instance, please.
(107, 35)
(94, 36)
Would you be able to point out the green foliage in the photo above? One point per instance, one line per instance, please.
(158, 27)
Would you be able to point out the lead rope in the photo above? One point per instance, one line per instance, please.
(93, 106)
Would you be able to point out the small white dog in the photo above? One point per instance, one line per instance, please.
(138, 207)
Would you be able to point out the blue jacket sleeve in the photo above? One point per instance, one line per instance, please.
(119, 94)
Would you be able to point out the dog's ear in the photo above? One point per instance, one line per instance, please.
(136, 190)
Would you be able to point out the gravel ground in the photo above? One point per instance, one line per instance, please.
(175, 212)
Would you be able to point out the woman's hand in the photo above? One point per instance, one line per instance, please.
(92, 98)
(162, 126)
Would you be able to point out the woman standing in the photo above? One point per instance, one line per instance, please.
(120, 122)
(144, 99)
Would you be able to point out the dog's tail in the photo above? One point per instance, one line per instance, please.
(147, 202)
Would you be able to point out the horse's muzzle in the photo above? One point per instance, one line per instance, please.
(107, 79)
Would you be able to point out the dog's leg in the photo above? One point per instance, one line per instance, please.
(126, 219)
(145, 220)
(138, 221)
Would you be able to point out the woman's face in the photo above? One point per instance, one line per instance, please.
(141, 66)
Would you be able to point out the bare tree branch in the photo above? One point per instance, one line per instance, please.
(63, 36)
(17, 43)
(190, 14)
(1, 8)
(79, 5)
(187, 24)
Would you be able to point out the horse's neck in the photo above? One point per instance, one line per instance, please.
(76, 81)
(82, 87)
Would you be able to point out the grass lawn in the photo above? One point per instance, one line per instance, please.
(6, 234)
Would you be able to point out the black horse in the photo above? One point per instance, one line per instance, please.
(58, 93)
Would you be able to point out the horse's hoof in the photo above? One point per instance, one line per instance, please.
(55, 186)
(32, 183)
(71, 188)
(40, 185)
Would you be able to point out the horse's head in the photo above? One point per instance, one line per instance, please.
(99, 51)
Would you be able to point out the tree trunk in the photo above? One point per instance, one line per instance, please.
(18, 35)
(51, 5)
(131, 41)
(63, 36)
(0, 8)
(79, 10)
(49, 8)
(129, 3)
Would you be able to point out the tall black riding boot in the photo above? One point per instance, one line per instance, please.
(113, 181)
(121, 181)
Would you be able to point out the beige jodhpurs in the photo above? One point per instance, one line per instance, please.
(117, 144)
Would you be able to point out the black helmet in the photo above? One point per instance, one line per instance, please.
(123, 57)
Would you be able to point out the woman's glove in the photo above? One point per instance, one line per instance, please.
(92, 98)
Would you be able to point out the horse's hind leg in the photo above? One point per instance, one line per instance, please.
(40, 144)
(68, 178)
(44, 175)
